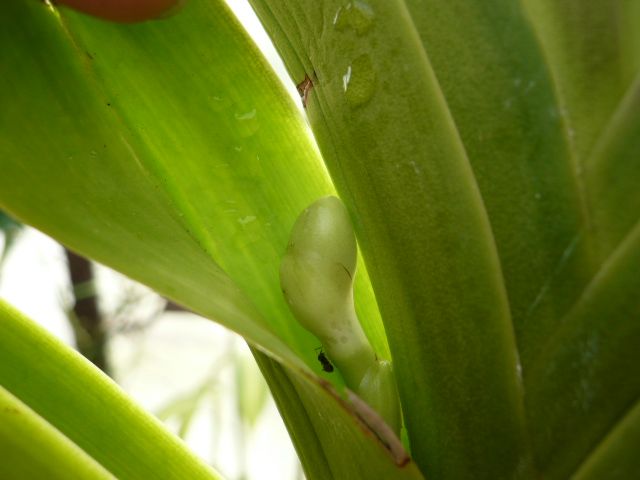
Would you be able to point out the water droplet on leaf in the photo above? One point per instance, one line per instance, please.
(356, 16)
(247, 122)
(359, 82)
(247, 219)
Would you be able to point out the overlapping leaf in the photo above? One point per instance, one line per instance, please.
(529, 89)
(168, 150)
(74, 412)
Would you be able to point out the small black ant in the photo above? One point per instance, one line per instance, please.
(324, 361)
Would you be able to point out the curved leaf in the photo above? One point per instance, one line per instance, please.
(585, 380)
(74, 168)
(500, 92)
(616, 458)
(612, 173)
(208, 184)
(581, 40)
(34, 449)
(85, 406)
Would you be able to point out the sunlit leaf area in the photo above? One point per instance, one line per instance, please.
(198, 378)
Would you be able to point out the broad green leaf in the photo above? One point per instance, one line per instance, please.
(582, 42)
(77, 399)
(241, 148)
(32, 448)
(500, 92)
(158, 199)
(612, 173)
(392, 147)
(73, 167)
(629, 36)
(616, 458)
(586, 378)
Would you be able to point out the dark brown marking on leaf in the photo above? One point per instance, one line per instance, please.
(346, 270)
(304, 89)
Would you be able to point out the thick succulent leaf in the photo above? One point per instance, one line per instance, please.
(32, 448)
(612, 174)
(582, 41)
(586, 380)
(500, 92)
(388, 138)
(85, 407)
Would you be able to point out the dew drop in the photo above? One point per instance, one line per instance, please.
(346, 78)
(359, 82)
(246, 116)
(357, 16)
(247, 122)
(247, 219)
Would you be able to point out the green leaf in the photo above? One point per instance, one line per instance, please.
(157, 199)
(582, 42)
(585, 380)
(628, 18)
(296, 419)
(77, 399)
(327, 434)
(392, 146)
(92, 183)
(501, 95)
(616, 458)
(612, 172)
(34, 449)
